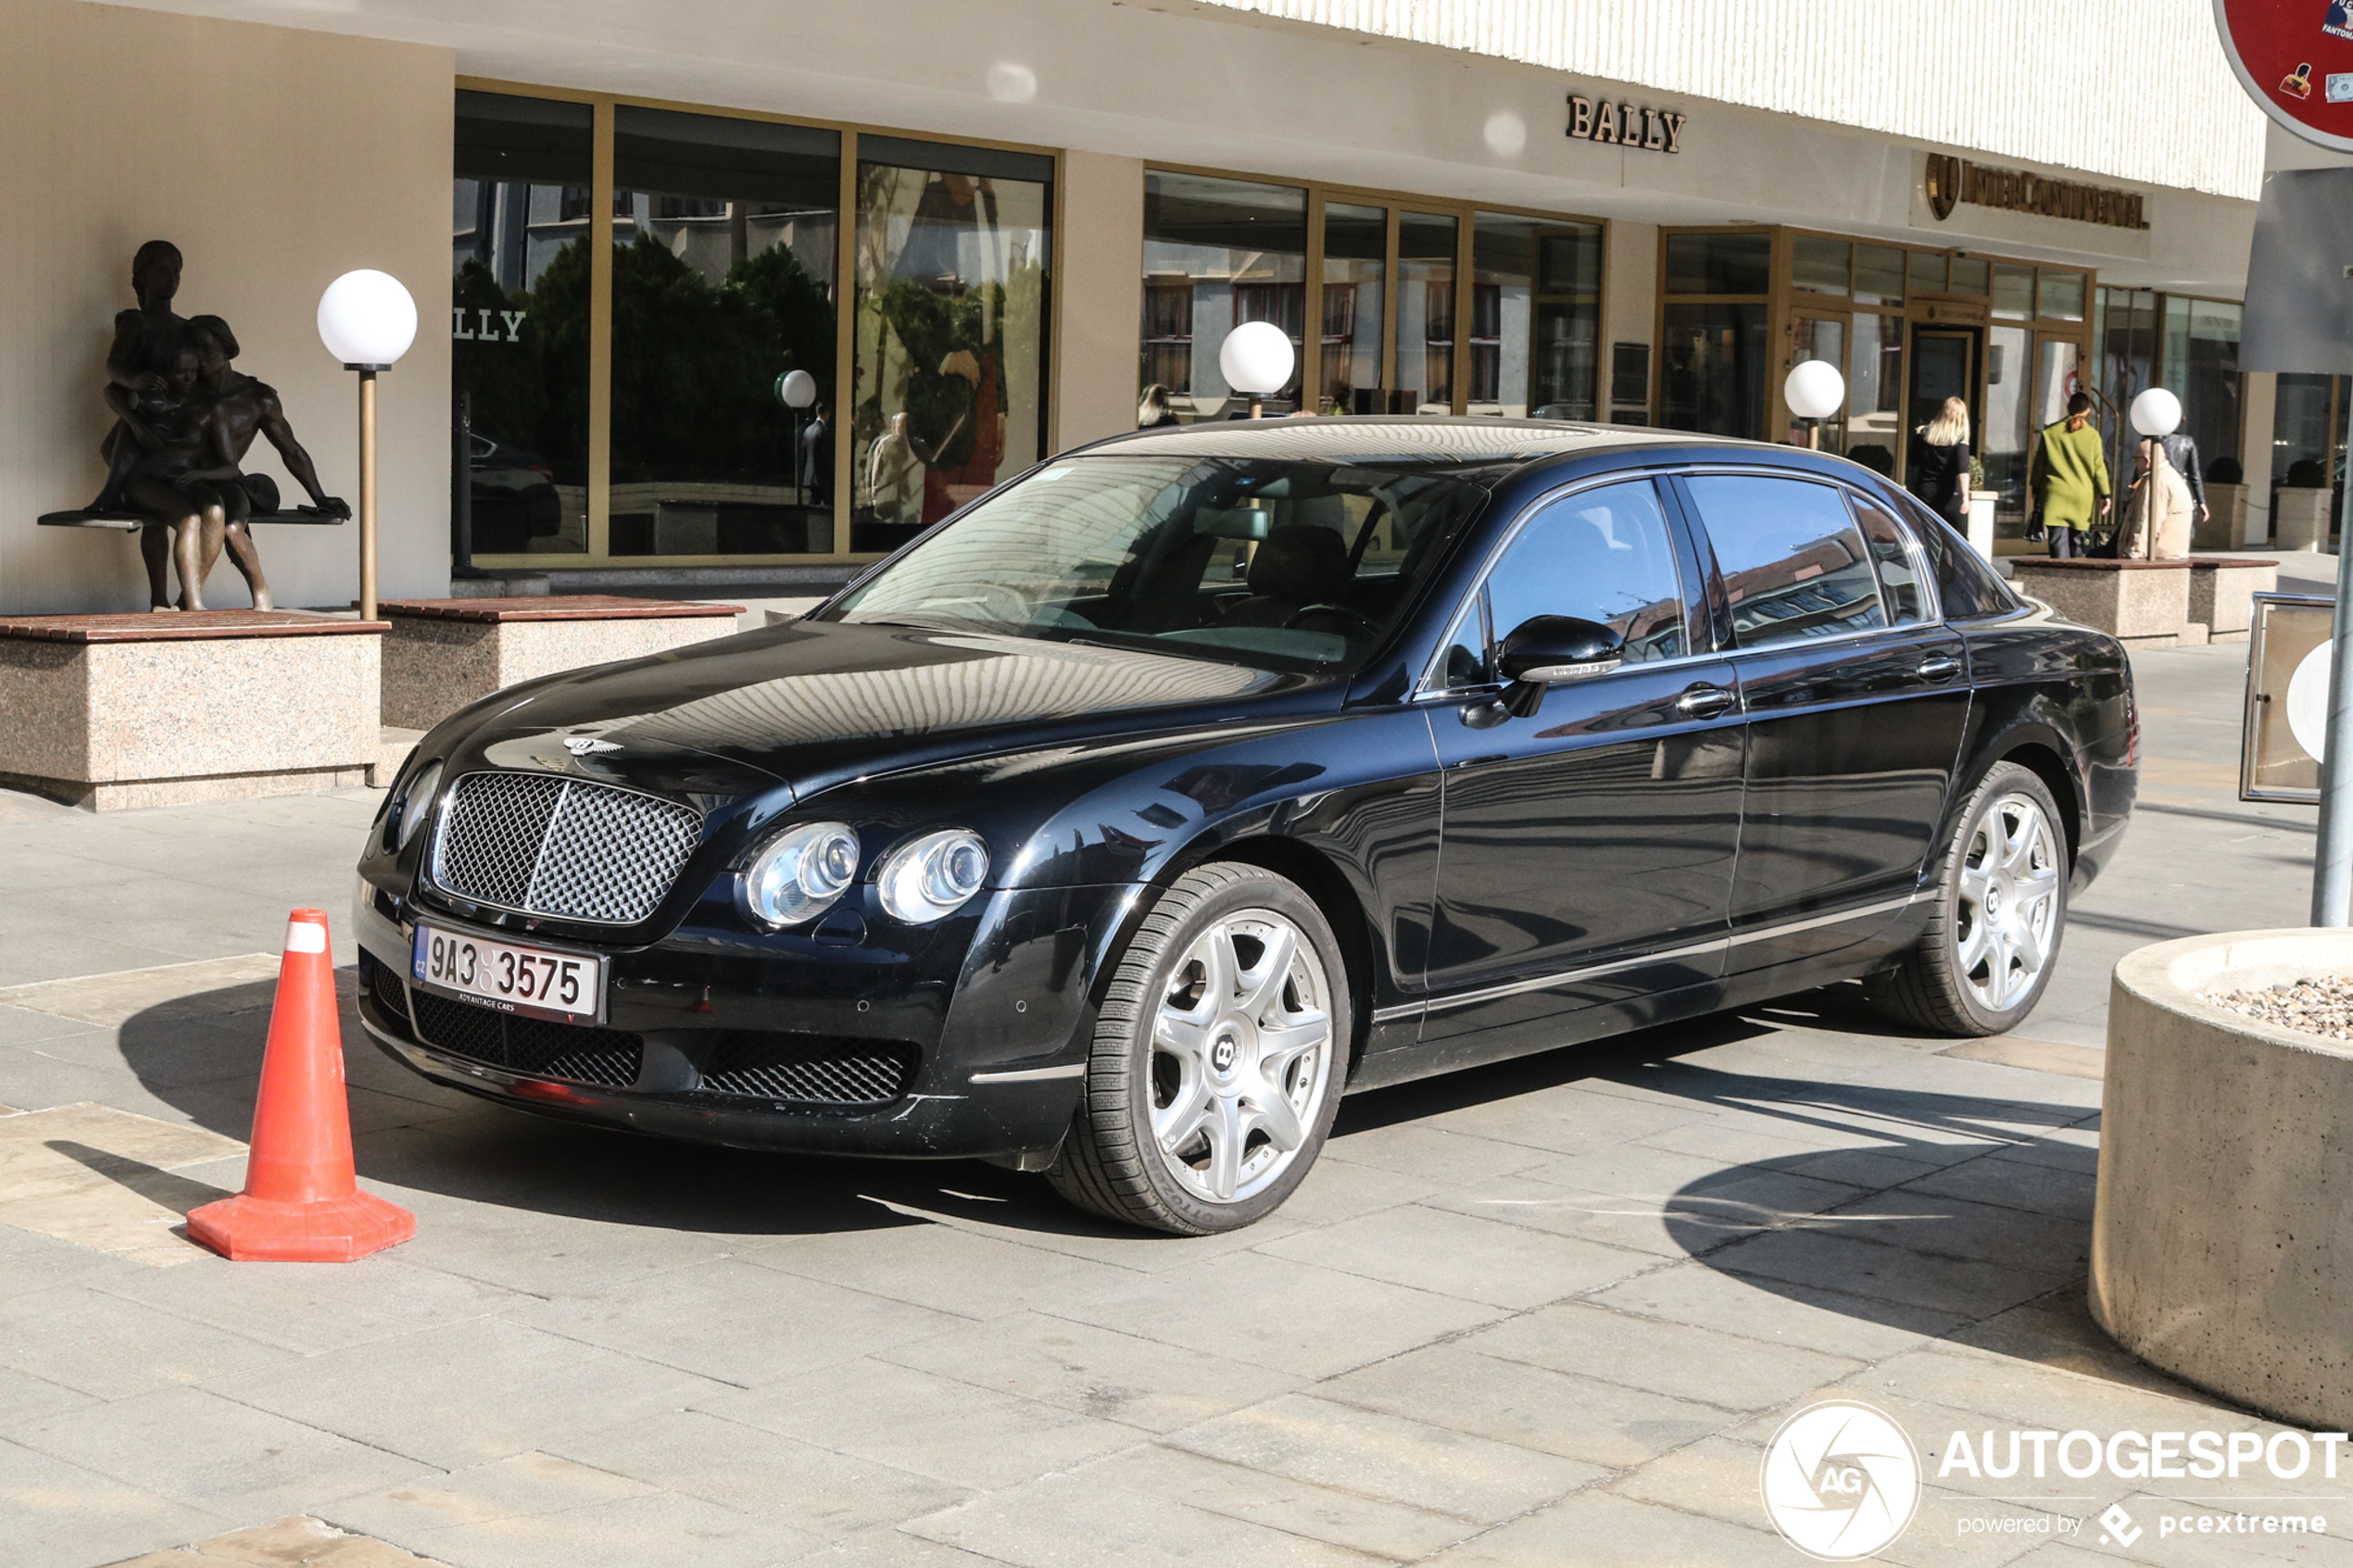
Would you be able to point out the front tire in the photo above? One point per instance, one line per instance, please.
(2001, 908)
(1218, 1057)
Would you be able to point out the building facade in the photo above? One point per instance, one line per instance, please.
(743, 293)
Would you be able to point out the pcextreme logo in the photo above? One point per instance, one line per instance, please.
(1841, 1481)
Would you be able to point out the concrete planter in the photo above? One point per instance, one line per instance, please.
(444, 653)
(2222, 1232)
(2142, 602)
(2225, 524)
(2223, 590)
(2303, 519)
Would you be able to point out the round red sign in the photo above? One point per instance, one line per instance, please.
(2295, 59)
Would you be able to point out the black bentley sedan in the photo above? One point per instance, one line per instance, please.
(1116, 826)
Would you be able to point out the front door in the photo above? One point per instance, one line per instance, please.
(1855, 705)
(1943, 365)
(1587, 853)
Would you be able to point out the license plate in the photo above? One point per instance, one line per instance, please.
(511, 977)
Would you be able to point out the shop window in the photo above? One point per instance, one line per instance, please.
(1536, 303)
(1566, 358)
(1355, 272)
(1879, 275)
(1720, 263)
(722, 283)
(2202, 368)
(1426, 246)
(519, 358)
(1714, 365)
(2008, 429)
(1234, 245)
(1930, 273)
(2013, 293)
(2062, 297)
(1875, 390)
(1820, 266)
(2057, 373)
(1970, 274)
(1814, 338)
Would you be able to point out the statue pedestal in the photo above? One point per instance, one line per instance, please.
(111, 711)
(444, 653)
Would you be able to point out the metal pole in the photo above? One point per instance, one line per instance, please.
(367, 494)
(2333, 856)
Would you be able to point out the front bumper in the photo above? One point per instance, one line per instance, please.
(970, 1044)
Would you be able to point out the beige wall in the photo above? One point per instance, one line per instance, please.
(1102, 291)
(1629, 297)
(275, 159)
(2258, 403)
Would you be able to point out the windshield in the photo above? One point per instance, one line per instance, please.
(1277, 564)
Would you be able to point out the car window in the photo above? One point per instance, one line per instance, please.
(1599, 555)
(1967, 588)
(1793, 563)
(1899, 571)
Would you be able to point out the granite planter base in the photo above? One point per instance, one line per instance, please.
(443, 654)
(2301, 520)
(113, 711)
(2223, 590)
(2142, 602)
(2223, 1228)
(2225, 524)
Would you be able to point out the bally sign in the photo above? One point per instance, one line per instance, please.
(1625, 125)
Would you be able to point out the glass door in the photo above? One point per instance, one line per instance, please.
(1943, 365)
(1356, 310)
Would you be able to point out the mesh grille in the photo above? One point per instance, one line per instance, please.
(391, 996)
(811, 1069)
(531, 1046)
(566, 847)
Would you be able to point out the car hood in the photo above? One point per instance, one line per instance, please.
(811, 703)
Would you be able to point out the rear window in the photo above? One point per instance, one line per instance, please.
(1967, 586)
(1795, 565)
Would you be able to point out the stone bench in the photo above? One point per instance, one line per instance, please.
(2223, 590)
(443, 654)
(2143, 603)
(109, 711)
(131, 522)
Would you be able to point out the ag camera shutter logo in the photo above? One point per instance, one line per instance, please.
(1841, 1481)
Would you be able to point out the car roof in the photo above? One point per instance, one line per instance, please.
(1384, 439)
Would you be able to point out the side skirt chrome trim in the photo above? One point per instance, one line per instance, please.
(1032, 1075)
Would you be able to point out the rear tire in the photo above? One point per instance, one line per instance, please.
(2001, 909)
(1218, 1057)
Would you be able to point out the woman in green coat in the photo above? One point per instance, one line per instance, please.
(2070, 478)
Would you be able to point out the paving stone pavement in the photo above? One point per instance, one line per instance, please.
(1545, 1312)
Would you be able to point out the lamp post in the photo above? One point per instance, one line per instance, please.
(796, 390)
(1256, 358)
(1814, 390)
(367, 320)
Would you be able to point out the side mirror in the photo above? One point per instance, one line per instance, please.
(1546, 650)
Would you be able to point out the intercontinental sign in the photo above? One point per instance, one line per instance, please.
(1952, 181)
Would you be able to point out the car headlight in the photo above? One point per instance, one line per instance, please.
(933, 875)
(797, 875)
(416, 804)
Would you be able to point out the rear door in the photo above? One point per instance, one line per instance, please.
(1855, 701)
(1586, 853)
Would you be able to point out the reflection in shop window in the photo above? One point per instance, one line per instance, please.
(1712, 374)
(1535, 317)
(2007, 430)
(949, 343)
(1818, 265)
(1218, 253)
(2202, 368)
(1720, 263)
(519, 355)
(1426, 310)
(725, 236)
(1879, 275)
(1355, 263)
(1815, 339)
(1875, 390)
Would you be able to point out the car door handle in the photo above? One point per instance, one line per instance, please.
(1939, 667)
(1705, 702)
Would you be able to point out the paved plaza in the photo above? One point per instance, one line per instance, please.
(1542, 1314)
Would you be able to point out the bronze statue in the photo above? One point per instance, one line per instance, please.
(239, 407)
(179, 479)
(145, 341)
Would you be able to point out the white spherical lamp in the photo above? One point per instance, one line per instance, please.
(2157, 412)
(796, 389)
(367, 319)
(1815, 390)
(1256, 358)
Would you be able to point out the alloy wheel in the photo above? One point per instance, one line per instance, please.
(2008, 912)
(1241, 1056)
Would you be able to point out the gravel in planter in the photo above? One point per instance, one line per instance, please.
(2322, 1005)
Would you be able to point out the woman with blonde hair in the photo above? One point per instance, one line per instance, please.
(1940, 463)
(1154, 409)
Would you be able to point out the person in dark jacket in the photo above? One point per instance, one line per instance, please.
(2181, 450)
(1940, 463)
(817, 458)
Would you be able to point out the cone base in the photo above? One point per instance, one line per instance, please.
(332, 1230)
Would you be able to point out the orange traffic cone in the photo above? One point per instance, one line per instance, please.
(302, 1202)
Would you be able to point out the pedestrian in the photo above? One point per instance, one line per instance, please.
(2181, 450)
(2156, 514)
(817, 458)
(1154, 410)
(2068, 478)
(1940, 463)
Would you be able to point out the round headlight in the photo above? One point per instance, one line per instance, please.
(800, 873)
(416, 805)
(933, 875)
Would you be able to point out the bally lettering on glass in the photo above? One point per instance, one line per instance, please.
(459, 328)
(1625, 125)
(1951, 181)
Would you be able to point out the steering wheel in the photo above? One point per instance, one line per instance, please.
(1295, 616)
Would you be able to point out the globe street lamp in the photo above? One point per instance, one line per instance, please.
(1256, 359)
(796, 390)
(367, 320)
(2157, 412)
(1814, 390)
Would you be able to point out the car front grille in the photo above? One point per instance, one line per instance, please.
(532, 1047)
(811, 1069)
(563, 848)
